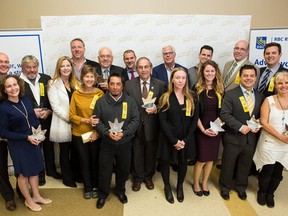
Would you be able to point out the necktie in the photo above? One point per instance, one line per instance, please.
(264, 80)
(106, 74)
(132, 74)
(144, 90)
(250, 101)
(230, 73)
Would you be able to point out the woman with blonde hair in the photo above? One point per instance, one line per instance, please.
(60, 90)
(178, 114)
(210, 90)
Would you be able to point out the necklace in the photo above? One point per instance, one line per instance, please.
(283, 117)
(26, 113)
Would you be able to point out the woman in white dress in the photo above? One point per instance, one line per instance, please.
(272, 150)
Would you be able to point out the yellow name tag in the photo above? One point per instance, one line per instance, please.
(219, 100)
(150, 95)
(271, 85)
(42, 90)
(237, 79)
(244, 104)
(188, 108)
(93, 103)
(124, 110)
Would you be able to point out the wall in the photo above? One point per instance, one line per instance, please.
(15, 14)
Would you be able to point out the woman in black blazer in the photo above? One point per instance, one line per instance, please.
(178, 114)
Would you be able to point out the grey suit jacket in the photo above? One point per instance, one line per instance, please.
(231, 83)
(150, 121)
(193, 75)
(233, 115)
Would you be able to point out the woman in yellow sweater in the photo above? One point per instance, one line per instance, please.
(81, 107)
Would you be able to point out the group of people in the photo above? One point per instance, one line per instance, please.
(109, 119)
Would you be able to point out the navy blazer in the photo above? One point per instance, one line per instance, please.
(160, 72)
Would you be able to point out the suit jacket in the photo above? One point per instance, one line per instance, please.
(92, 63)
(160, 72)
(266, 92)
(125, 74)
(233, 115)
(193, 76)
(150, 121)
(44, 101)
(231, 83)
(113, 69)
(60, 130)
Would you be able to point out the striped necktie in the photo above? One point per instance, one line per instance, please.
(144, 90)
(230, 73)
(250, 101)
(264, 80)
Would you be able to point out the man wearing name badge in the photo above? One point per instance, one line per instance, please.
(105, 68)
(272, 54)
(163, 71)
(77, 46)
(146, 138)
(231, 68)
(239, 141)
(206, 53)
(129, 59)
(6, 189)
(113, 110)
(36, 92)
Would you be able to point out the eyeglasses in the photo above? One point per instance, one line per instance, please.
(168, 53)
(240, 49)
(105, 56)
(143, 67)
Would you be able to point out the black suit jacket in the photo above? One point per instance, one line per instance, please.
(125, 74)
(233, 115)
(92, 63)
(150, 121)
(44, 101)
(113, 69)
(266, 92)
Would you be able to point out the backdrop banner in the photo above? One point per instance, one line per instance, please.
(146, 34)
(260, 37)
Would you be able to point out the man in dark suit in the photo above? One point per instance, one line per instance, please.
(146, 137)
(77, 46)
(231, 68)
(6, 189)
(129, 59)
(36, 92)
(163, 71)
(105, 68)
(272, 55)
(239, 141)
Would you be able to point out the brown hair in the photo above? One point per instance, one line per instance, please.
(21, 83)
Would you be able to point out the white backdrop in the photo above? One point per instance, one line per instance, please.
(145, 34)
(258, 39)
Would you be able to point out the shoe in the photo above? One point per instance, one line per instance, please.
(225, 195)
(95, 193)
(197, 193)
(136, 186)
(42, 180)
(70, 184)
(55, 175)
(149, 184)
(270, 200)
(261, 198)
(206, 193)
(87, 195)
(42, 201)
(100, 203)
(168, 193)
(242, 195)
(10, 205)
(37, 209)
(122, 198)
(180, 193)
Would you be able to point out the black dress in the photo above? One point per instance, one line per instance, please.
(207, 147)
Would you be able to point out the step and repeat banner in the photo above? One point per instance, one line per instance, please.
(260, 37)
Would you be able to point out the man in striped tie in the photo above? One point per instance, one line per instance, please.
(272, 55)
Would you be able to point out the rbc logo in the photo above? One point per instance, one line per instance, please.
(261, 42)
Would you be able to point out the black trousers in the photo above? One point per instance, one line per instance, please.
(49, 155)
(144, 157)
(6, 189)
(165, 171)
(65, 162)
(88, 154)
(122, 155)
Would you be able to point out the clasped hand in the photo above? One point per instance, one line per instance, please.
(179, 145)
(116, 136)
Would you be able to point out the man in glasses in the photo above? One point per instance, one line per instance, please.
(163, 71)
